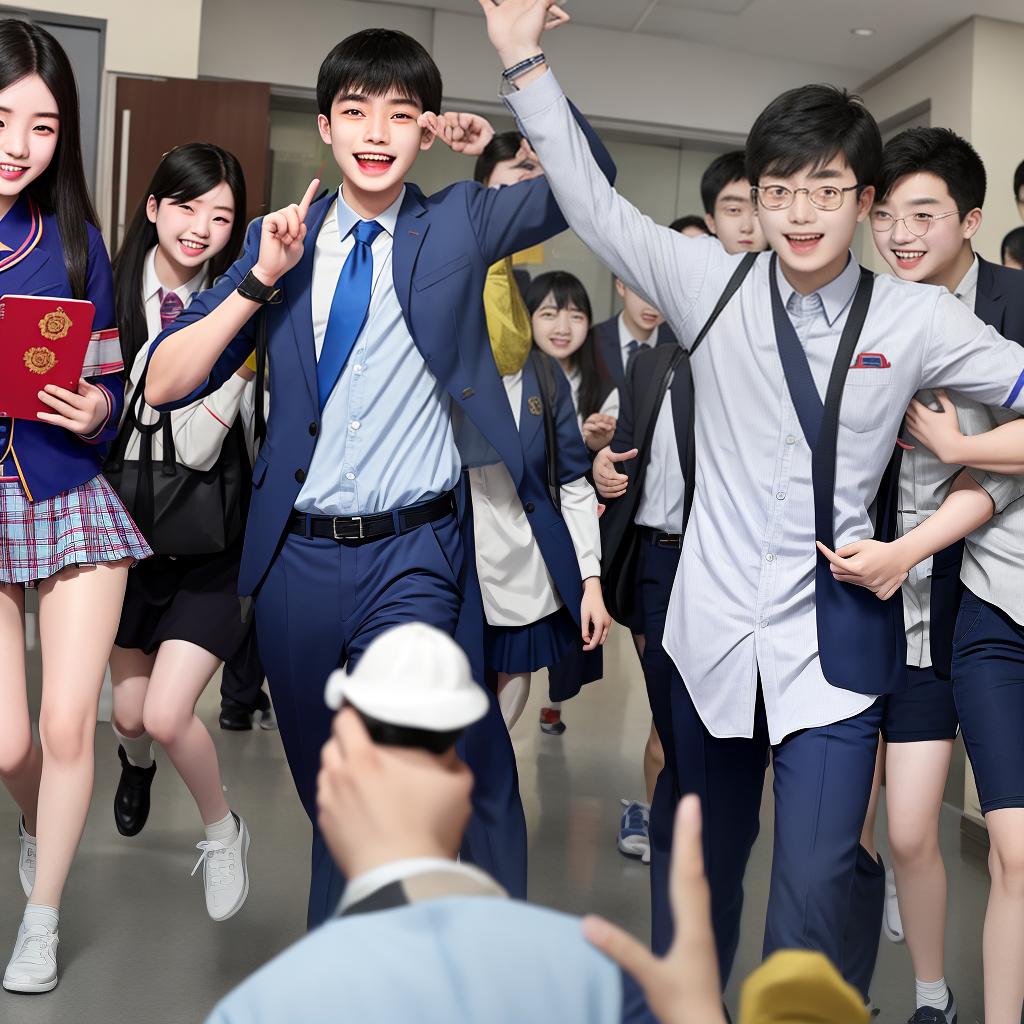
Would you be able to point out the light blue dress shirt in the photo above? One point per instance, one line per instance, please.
(386, 437)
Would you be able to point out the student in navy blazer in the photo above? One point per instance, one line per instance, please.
(440, 248)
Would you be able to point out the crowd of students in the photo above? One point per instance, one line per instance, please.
(358, 413)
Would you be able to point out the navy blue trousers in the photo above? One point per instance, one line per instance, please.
(319, 607)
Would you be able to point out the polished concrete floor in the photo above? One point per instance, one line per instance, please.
(136, 945)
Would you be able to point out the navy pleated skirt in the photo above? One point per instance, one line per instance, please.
(515, 649)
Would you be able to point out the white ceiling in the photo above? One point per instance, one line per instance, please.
(815, 31)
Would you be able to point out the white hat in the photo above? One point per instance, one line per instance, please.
(414, 676)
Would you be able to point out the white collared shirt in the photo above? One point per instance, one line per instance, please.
(625, 337)
(661, 500)
(365, 885)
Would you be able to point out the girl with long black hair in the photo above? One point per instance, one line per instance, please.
(181, 616)
(62, 528)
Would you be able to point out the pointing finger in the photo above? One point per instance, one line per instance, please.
(308, 198)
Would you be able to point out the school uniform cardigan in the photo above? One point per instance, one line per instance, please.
(49, 460)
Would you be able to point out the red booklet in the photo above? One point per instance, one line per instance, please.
(42, 341)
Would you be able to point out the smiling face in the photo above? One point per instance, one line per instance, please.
(189, 233)
(813, 244)
(923, 202)
(559, 332)
(735, 219)
(642, 319)
(29, 128)
(375, 140)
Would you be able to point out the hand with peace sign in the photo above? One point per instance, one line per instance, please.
(515, 26)
(282, 237)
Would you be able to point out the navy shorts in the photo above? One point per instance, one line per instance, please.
(925, 710)
(988, 684)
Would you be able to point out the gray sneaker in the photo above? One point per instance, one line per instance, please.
(33, 965)
(225, 873)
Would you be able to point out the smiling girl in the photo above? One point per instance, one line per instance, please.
(181, 615)
(62, 528)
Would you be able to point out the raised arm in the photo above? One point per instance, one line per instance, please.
(664, 266)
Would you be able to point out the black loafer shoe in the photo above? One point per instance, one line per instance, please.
(131, 801)
(235, 719)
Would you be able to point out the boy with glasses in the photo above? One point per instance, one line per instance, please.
(774, 654)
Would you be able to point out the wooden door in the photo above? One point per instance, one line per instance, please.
(155, 115)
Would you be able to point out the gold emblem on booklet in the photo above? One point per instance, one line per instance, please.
(533, 404)
(41, 359)
(55, 325)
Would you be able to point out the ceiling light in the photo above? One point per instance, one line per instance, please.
(865, 32)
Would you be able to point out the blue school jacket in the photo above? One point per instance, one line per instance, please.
(48, 460)
(444, 245)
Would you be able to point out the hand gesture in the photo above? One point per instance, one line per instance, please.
(82, 411)
(873, 564)
(610, 483)
(594, 617)
(463, 133)
(683, 987)
(282, 237)
(598, 431)
(939, 431)
(515, 26)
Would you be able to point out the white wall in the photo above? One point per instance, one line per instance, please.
(137, 42)
(681, 86)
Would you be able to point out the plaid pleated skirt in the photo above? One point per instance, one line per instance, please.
(84, 526)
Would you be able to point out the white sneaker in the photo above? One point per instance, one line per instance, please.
(892, 923)
(26, 859)
(225, 874)
(33, 966)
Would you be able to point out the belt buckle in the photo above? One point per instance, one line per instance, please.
(352, 519)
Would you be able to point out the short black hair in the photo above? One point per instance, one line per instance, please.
(811, 126)
(1018, 180)
(722, 171)
(691, 220)
(937, 151)
(503, 146)
(375, 62)
(1013, 245)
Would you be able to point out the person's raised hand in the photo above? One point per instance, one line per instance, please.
(461, 132)
(610, 483)
(282, 238)
(598, 430)
(378, 804)
(82, 411)
(683, 986)
(515, 26)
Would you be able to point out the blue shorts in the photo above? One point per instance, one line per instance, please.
(988, 684)
(924, 711)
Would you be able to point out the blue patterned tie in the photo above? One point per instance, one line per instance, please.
(349, 307)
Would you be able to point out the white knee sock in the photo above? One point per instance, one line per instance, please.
(224, 831)
(138, 748)
(512, 698)
(932, 993)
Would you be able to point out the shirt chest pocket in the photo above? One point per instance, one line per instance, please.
(427, 278)
(867, 399)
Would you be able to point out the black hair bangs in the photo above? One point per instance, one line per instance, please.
(722, 171)
(377, 62)
(566, 291)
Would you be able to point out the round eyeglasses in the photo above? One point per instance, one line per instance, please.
(917, 224)
(778, 197)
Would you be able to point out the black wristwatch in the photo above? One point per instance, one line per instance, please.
(253, 289)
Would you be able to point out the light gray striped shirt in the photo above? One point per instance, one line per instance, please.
(743, 599)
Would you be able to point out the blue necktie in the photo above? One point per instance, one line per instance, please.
(348, 309)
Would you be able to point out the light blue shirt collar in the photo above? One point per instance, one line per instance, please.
(835, 296)
(348, 218)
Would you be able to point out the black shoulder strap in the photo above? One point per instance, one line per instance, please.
(260, 420)
(738, 277)
(549, 390)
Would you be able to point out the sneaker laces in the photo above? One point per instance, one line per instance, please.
(219, 867)
(635, 815)
(36, 947)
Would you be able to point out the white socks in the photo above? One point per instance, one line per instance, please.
(932, 993)
(38, 914)
(138, 748)
(512, 698)
(224, 831)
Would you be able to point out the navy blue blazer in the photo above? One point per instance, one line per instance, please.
(609, 353)
(999, 302)
(47, 459)
(444, 245)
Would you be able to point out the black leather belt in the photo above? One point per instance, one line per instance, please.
(373, 527)
(663, 540)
